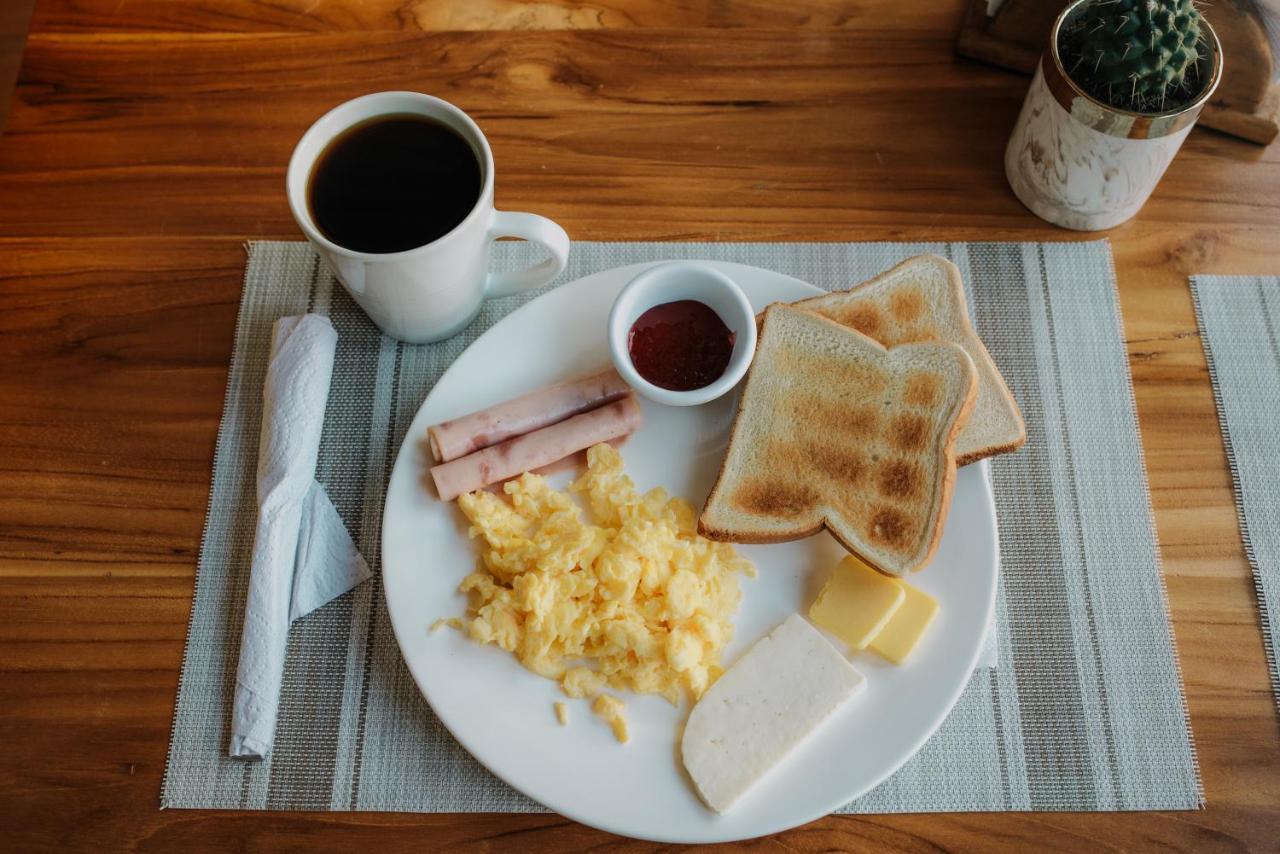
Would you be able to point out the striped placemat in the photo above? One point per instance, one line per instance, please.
(1239, 319)
(1084, 712)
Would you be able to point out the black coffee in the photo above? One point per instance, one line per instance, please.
(393, 183)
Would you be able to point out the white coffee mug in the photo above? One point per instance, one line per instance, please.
(432, 291)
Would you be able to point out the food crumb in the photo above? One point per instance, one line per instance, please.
(610, 709)
(562, 714)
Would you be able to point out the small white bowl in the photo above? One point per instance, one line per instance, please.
(683, 280)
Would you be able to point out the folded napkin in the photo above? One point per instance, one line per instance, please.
(303, 556)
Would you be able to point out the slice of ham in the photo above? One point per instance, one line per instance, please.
(459, 437)
(533, 450)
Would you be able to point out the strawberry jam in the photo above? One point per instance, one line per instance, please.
(681, 346)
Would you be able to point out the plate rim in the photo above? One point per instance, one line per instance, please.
(828, 806)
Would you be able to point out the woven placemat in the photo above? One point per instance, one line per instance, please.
(1239, 319)
(1084, 712)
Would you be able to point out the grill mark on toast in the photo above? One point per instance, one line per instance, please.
(840, 377)
(841, 466)
(907, 305)
(824, 416)
(891, 528)
(922, 390)
(909, 432)
(899, 479)
(766, 498)
(862, 316)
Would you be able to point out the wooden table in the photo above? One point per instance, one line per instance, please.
(148, 141)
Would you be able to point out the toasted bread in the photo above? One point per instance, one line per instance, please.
(922, 299)
(834, 429)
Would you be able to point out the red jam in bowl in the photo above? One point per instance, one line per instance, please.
(681, 346)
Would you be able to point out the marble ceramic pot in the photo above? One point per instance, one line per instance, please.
(1082, 164)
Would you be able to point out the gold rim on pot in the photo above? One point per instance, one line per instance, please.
(1111, 120)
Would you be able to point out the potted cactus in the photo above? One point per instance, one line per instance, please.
(1116, 92)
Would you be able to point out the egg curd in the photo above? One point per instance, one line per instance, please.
(633, 599)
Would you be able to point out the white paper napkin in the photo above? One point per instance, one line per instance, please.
(303, 556)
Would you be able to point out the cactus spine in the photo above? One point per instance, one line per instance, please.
(1136, 55)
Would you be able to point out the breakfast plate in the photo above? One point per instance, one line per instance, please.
(503, 714)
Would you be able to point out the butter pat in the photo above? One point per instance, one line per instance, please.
(764, 707)
(905, 628)
(857, 603)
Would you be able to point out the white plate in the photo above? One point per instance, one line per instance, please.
(503, 714)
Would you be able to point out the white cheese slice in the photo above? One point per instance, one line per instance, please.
(763, 708)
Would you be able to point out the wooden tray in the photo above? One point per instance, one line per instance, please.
(15, 17)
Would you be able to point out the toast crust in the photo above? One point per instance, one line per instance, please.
(890, 481)
(882, 307)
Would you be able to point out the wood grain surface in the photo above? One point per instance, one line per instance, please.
(15, 17)
(148, 140)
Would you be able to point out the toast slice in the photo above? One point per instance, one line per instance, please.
(834, 429)
(922, 299)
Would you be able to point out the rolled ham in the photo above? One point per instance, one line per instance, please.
(461, 436)
(533, 450)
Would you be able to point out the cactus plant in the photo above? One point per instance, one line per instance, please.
(1136, 55)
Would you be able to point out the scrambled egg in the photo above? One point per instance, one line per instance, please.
(633, 600)
(610, 709)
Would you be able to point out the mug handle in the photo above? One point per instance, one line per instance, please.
(536, 229)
